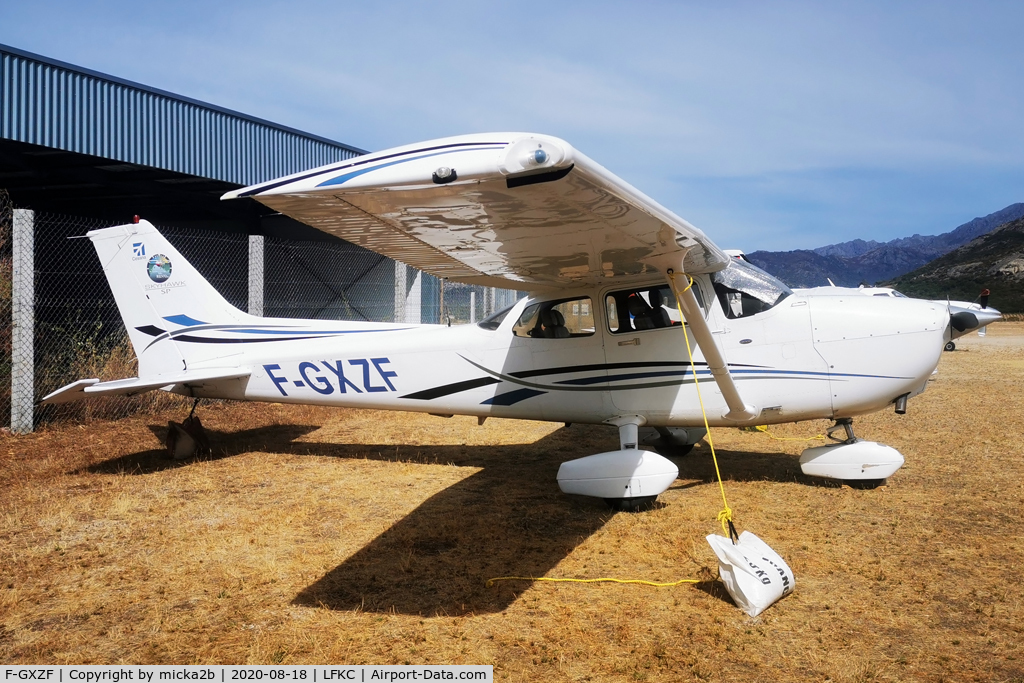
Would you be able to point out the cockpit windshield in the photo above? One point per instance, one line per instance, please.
(744, 289)
(493, 321)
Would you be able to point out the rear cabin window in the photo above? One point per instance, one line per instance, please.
(647, 308)
(557, 319)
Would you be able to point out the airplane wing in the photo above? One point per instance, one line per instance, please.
(84, 388)
(512, 210)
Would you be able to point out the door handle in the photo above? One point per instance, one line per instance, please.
(635, 341)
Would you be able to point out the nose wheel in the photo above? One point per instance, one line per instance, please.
(846, 424)
(639, 504)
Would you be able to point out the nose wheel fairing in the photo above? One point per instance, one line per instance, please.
(856, 460)
(851, 459)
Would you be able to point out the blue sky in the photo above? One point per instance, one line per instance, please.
(768, 125)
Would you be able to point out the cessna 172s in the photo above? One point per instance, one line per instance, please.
(597, 340)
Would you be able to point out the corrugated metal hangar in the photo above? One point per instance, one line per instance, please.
(81, 149)
(80, 142)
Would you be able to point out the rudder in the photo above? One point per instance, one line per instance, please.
(157, 291)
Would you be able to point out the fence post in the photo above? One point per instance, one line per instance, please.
(400, 283)
(256, 275)
(414, 299)
(23, 321)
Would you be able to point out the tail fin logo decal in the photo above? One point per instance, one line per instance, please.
(159, 268)
(138, 249)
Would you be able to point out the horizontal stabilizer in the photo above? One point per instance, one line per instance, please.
(84, 388)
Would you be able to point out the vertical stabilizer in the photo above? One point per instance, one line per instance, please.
(159, 293)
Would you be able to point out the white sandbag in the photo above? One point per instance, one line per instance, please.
(752, 572)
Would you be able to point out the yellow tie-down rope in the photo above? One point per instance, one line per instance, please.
(724, 517)
(490, 582)
(764, 429)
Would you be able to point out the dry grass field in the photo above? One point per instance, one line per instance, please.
(316, 536)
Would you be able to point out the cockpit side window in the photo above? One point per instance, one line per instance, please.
(744, 289)
(647, 308)
(557, 319)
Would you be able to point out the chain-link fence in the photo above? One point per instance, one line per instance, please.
(327, 281)
(78, 329)
(6, 216)
(460, 304)
(78, 332)
(70, 328)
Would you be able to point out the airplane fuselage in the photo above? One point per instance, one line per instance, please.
(807, 357)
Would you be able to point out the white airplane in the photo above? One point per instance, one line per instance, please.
(597, 340)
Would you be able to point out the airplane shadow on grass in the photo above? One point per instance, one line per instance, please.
(223, 445)
(508, 519)
(697, 468)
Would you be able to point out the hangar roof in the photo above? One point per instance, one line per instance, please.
(78, 141)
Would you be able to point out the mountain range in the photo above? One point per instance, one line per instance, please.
(993, 261)
(859, 261)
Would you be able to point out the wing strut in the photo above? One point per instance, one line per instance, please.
(738, 410)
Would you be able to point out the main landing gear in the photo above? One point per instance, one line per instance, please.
(672, 442)
(859, 463)
(187, 439)
(628, 479)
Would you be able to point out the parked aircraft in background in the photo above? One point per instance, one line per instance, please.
(610, 276)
